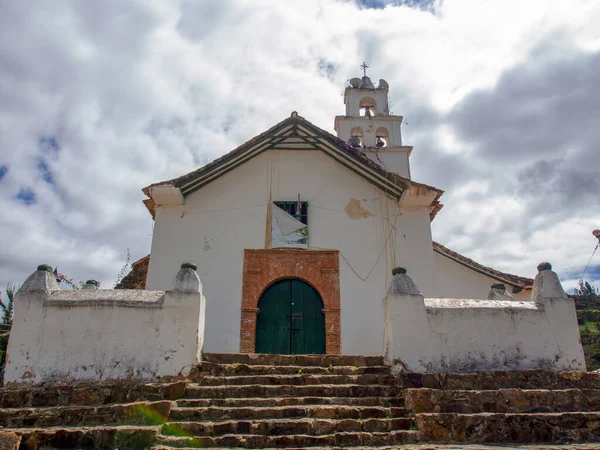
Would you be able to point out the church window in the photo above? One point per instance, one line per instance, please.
(289, 224)
(292, 209)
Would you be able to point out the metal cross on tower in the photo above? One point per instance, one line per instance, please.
(364, 66)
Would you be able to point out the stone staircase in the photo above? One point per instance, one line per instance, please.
(507, 407)
(298, 401)
(230, 400)
(279, 401)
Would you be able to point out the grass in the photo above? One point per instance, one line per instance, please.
(589, 327)
(587, 310)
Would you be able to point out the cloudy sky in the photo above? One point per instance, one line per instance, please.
(98, 99)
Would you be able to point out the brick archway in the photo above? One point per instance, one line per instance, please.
(319, 268)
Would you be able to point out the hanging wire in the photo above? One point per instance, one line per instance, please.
(383, 248)
(372, 268)
(588, 264)
(376, 261)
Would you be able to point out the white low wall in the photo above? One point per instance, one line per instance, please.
(462, 335)
(92, 334)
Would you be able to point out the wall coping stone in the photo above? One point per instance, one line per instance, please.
(103, 297)
(454, 303)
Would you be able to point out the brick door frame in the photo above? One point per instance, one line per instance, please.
(318, 268)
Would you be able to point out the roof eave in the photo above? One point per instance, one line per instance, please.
(517, 286)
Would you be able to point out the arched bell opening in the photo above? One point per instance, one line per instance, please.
(381, 137)
(368, 107)
(356, 137)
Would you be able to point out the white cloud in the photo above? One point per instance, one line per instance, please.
(134, 92)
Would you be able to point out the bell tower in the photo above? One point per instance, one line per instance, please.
(369, 127)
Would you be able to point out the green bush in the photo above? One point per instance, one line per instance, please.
(588, 318)
(6, 306)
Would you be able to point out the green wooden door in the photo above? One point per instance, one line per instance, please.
(290, 319)
(272, 323)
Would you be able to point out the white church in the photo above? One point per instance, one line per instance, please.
(297, 242)
(295, 234)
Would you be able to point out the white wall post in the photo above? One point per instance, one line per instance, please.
(186, 305)
(406, 339)
(28, 319)
(548, 294)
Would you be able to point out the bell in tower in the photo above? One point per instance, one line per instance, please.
(369, 126)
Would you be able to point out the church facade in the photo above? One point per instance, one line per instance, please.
(295, 234)
(297, 242)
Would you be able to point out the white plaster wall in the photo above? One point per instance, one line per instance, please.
(497, 337)
(452, 279)
(92, 335)
(219, 221)
(394, 159)
(457, 335)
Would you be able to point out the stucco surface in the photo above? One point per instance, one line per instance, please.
(219, 221)
(454, 279)
(104, 334)
(461, 335)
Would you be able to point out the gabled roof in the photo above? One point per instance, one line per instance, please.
(296, 133)
(518, 283)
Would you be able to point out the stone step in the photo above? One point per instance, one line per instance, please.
(290, 401)
(420, 447)
(275, 427)
(209, 368)
(101, 393)
(164, 447)
(551, 428)
(518, 379)
(257, 390)
(502, 400)
(361, 447)
(340, 439)
(296, 380)
(284, 412)
(112, 437)
(141, 413)
(293, 360)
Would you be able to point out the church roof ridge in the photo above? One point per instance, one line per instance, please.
(391, 183)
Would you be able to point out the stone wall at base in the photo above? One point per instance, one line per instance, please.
(9, 440)
(93, 334)
(466, 335)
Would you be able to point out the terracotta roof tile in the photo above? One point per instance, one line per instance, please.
(136, 278)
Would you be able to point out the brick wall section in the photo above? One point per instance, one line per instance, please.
(319, 268)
